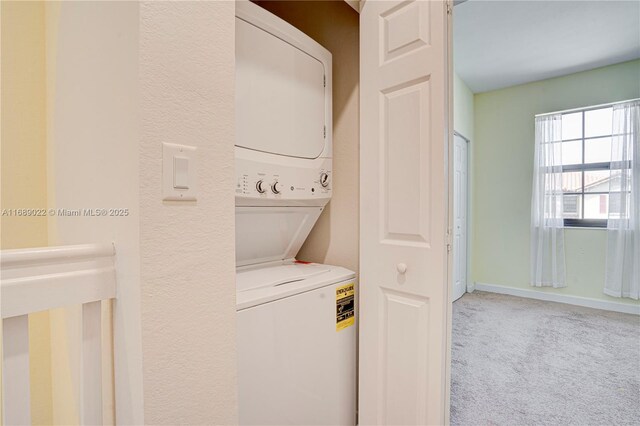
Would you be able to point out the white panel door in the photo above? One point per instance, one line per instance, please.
(460, 194)
(404, 112)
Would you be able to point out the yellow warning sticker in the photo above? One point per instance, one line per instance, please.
(345, 306)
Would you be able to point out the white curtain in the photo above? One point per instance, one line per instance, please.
(547, 234)
(622, 273)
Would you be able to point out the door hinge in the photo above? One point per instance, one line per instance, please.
(324, 132)
(448, 8)
(324, 81)
(448, 248)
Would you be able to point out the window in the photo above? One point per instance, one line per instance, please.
(587, 182)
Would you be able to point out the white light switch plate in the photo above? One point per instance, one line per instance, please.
(179, 172)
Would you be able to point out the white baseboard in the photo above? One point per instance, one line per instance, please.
(470, 287)
(560, 298)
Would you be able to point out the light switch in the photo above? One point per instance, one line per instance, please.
(179, 177)
(181, 172)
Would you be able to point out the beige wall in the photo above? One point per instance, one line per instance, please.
(92, 95)
(335, 25)
(104, 83)
(24, 169)
(188, 263)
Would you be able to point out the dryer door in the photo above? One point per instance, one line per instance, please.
(280, 95)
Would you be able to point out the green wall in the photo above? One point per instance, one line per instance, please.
(502, 165)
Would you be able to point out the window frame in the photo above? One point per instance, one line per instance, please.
(582, 168)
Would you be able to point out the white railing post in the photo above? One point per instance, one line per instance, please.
(91, 384)
(16, 407)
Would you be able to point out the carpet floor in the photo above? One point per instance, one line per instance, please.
(519, 361)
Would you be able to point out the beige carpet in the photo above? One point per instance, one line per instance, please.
(519, 361)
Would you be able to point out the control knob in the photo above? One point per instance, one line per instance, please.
(276, 187)
(324, 180)
(260, 187)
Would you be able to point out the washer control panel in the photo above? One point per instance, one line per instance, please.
(265, 181)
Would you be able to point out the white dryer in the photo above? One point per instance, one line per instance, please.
(296, 321)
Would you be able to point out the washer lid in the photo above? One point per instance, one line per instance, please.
(257, 285)
(274, 276)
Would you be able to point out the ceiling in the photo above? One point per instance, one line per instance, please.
(499, 44)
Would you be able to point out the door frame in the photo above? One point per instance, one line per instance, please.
(449, 146)
(469, 286)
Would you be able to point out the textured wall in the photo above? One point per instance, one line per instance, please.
(335, 25)
(503, 170)
(187, 249)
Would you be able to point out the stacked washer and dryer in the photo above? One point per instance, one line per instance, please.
(296, 320)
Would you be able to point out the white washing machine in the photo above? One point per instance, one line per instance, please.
(296, 366)
(296, 320)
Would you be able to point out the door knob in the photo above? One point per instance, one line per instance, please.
(402, 268)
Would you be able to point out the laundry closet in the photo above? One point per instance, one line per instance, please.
(297, 215)
(335, 25)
